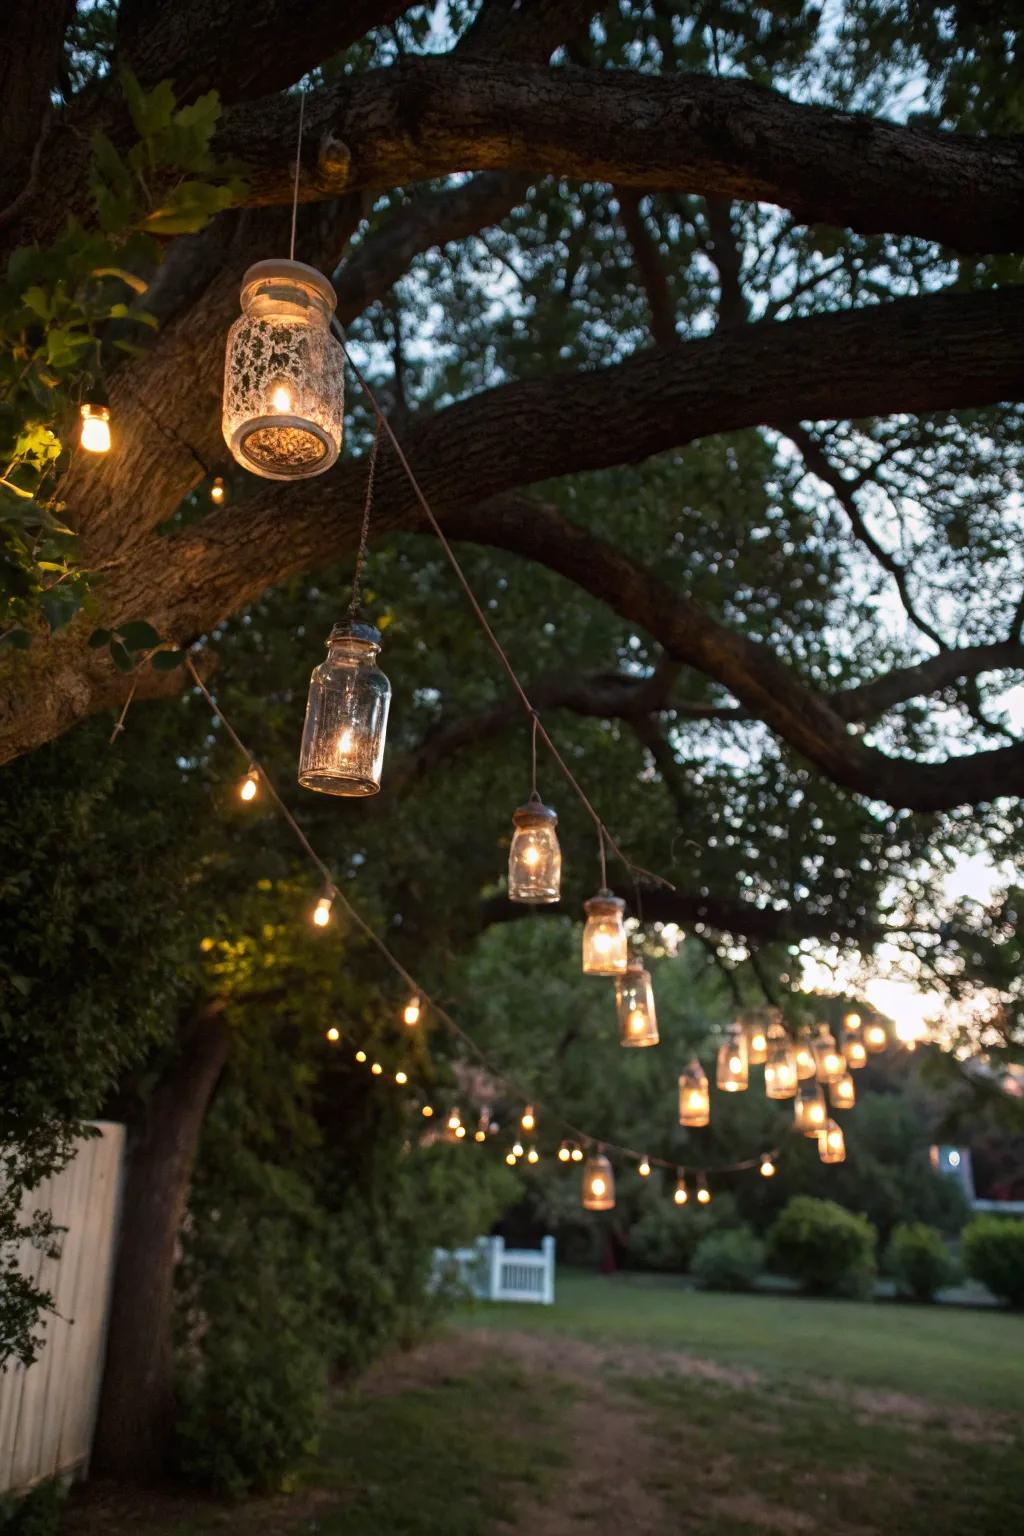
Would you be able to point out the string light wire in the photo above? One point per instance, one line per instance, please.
(332, 889)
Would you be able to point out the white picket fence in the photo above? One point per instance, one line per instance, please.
(47, 1412)
(492, 1272)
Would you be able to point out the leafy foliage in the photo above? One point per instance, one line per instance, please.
(919, 1260)
(993, 1252)
(728, 1261)
(831, 1251)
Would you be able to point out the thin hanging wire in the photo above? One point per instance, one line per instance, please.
(604, 860)
(533, 757)
(482, 620)
(331, 889)
(298, 163)
(364, 532)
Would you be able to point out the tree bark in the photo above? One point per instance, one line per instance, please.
(136, 1403)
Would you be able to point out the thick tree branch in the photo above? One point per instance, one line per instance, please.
(721, 137)
(30, 55)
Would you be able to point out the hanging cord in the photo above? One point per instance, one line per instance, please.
(364, 532)
(603, 858)
(298, 163)
(330, 888)
(533, 756)
(482, 620)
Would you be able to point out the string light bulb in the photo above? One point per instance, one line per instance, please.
(805, 1063)
(411, 1011)
(681, 1194)
(694, 1098)
(376, 1068)
(703, 1192)
(94, 433)
(634, 1005)
(534, 857)
(217, 491)
(577, 1154)
(644, 1167)
(479, 1135)
(732, 1072)
(564, 1152)
(517, 1148)
(511, 1159)
(604, 936)
(427, 1111)
(875, 1037)
(334, 1033)
(843, 1092)
(829, 1062)
(360, 1056)
(284, 382)
(454, 1120)
(529, 1119)
(780, 1066)
(809, 1113)
(852, 1022)
(598, 1184)
(767, 1169)
(460, 1131)
(249, 787)
(342, 751)
(401, 1078)
(533, 1156)
(831, 1143)
(322, 910)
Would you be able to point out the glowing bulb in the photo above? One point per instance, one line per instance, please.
(843, 1092)
(518, 1149)
(529, 1120)
(680, 1194)
(704, 1195)
(598, 1186)
(376, 1068)
(644, 1169)
(815, 1113)
(602, 943)
(322, 912)
(345, 742)
(852, 1021)
(460, 1131)
(281, 400)
(735, 1065)
(360, 1055)
(531, 855)
(533, 1155)
(479, 1135)
(563, 1153)
(411, 1011)
(510, 1158)
(637, 1021)
(767, 1168)
(217, 491)
(427, 1111)
(249, 786)
(400, 1077)
(577, 1154)
(874, 1037)
(856, 1052)
(95, 433)
(333, 1033)
(454, 1120)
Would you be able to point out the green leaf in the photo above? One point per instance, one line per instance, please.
(99, 638)
(138, 635)
(188, 207)
(167, 661)
(38, 301)
(120, 657)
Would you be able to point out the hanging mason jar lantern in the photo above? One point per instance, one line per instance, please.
(534, 859)
(680, 1194)
(780, 1070)
(94, 433)
(284, 382)
(598, 1184)
(346, 715)
(604, 936)
(855, 1051)
(634, 1003)
(805, 1063)
(842, 1093)
(829, 1062)
(731, 1074)
(875, 1037)
(694, 1099)
(831, 1143)
(757, 1037)
(809, 1113)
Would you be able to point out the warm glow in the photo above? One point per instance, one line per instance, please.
(510, 1158)
(563, 1153)
(249, 786)
(400, 1077)
(533, 1155)
(680, 1195)
(597, 1186)
(427, 1111)
(637, 1021)
(334, 1033)
(603, 942)
(704, 1195)
(95, 433)
(832, 1144)
(758, 1042)
(804, 1060)
(529, 1119)
(322, 912)
(735, 1064)
(843, 1092)
(855, 1052)
(460, 1131)
(454, 1120)
(767, 1168)
(360, 1055)
(644, 1169)
(531, 855)
(577, 1154)
(815, 1114)
(694, 1100)
(376, 1068)
(875, 1037)
(411, 1011)
(281, 400)
(479, 1135)
(518, 1149)
(852, 1021)
(346, 742)
(217, 491)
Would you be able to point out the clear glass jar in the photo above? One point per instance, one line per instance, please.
(694, 1098)
(855, 1052)
(780, 1071)
(534, 859)
(598, 1184)
(809, 1112)
(831, 1143)
(284, 380)
(842, 1093)
(755, 1028)
(346, 715)
(732, 1073)
(805, 1064)
(604, 937)
(829, 1061)
(634, 1004)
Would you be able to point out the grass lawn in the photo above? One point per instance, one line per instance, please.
(640, 1406)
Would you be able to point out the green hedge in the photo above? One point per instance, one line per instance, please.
(993, 1250)
(829, 1250)
(728, 1261)
(919, 1261)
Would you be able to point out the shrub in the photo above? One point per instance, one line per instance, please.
(37, 1514)
(831, 1251)
(993, 1250)
(728, 1261)
(666, 1238)
(919, 1261)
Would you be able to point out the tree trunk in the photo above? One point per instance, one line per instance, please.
(136, 1403)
